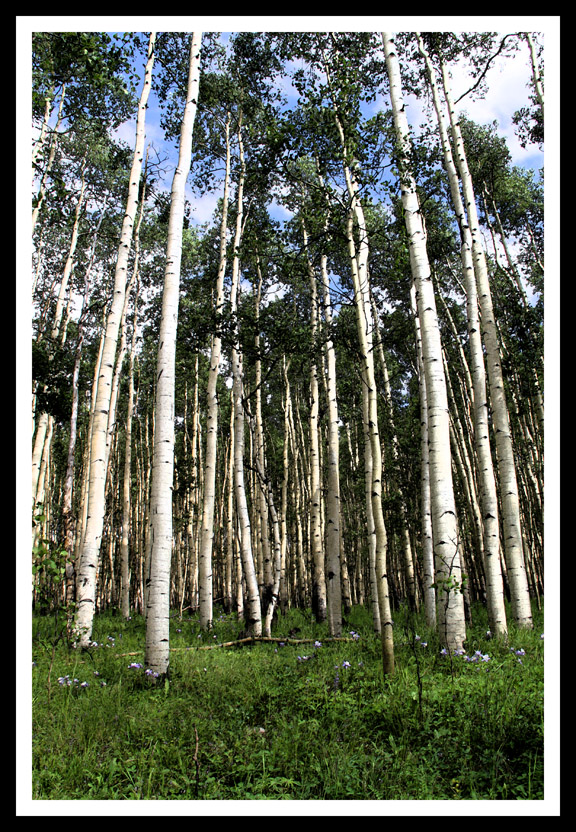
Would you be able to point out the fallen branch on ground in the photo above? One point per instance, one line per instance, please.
(248, 640)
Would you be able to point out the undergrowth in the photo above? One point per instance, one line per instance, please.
(288, 721)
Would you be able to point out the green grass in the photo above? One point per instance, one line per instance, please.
(261, 722)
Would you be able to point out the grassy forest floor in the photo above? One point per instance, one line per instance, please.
(297, 720)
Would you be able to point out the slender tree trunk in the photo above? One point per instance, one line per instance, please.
(518, 582)
(428, 570)
(284, 588)
(535, 72)
(205, 583)
(408, 558)
(95, 521)
(333, 518)
(253, 607)
(317, 541)
(365, 327)
(161, 483)
(50, 162)
(444, 522)
(489, 497)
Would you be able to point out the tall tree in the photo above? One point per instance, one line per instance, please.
(162, 478)
(88, 563)
(490, 511)
(207, 533)
(512, 526)
(451, 621)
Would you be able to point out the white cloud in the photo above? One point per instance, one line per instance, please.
(203, 207)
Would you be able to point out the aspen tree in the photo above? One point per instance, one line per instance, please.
(512, 529)
(161, 483)
(405, 532)
(127, 476)
(316, 536)
(205, 587)
(284, 593)
(88, 564)
(365, 327)
(536, 77)
(252, 601)
(333, 518)
(268, 516)
(67, 514)
(50, 162)
(428, 571)
(444, 522)
(58, 328)
(490, 512)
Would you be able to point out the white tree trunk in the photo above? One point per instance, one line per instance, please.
(365, 327)
(205, 582)
(161, 484)
(518, 581)
(333, 519)
(487, 480)
(316, 536)
(428, 571)
(253, 607)
(88, 566)
(444, 522)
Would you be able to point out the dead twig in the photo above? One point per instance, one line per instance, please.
(247, 640)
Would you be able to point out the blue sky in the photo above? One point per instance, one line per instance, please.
(507, 92)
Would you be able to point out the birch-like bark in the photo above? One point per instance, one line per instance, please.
(252, 601)
(365, 327)
(284, 593)
(405, 528)
(444, 522)
(487, 479)
(512, 529)
(58, 331)
(87, 570)
(70, 258)
(127, 474)
(261, 492)
(428, 570)
(161, 483)
(50, 162)
(205, 582)
(333, 519)
(316, 537)
(536, 77)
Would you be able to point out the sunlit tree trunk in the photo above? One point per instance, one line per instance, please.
(253, 615)
(444, 522)
(408, 558)
(284, 589)
(161, 483)
(428, 570)
(512, 528)
(333, 519)
(205, 583)
(87, 569)
(489, 497)
(317, 542)
(536, 78)
(365, 328)
(50, 162)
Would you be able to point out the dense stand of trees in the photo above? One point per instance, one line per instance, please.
(343, 407)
